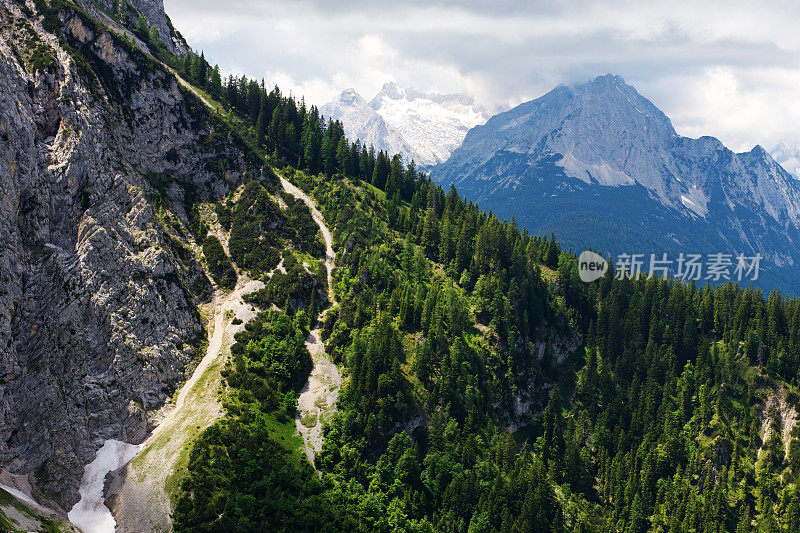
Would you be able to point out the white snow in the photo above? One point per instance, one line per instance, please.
(434, 125)
(696, 202)
(688, 203)
(90, 514)
(420, 126)
(361, 122)
(18, 494)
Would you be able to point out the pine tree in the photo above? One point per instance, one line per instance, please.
(261, 123)
(381, 171)
(394, 182)
(430, 236)
(202, 70)
(215, 83)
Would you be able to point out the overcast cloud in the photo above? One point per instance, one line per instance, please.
(729, 69)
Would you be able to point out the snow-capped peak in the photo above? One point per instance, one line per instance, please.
(351, 97)
(787, 153)
(391, 90)
(425, 127)
(360, 121)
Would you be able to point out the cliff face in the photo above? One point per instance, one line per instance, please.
(128, 12)
(101, 154)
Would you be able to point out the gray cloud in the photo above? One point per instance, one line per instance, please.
(729, 69)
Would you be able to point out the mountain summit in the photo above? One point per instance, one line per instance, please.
(362, 122)
(603, 167)
(421, 126)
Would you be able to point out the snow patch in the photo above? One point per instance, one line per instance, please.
(603, 173)
(90, 514)
(18, 494)
(698, 205)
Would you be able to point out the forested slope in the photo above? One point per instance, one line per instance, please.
(487, 388)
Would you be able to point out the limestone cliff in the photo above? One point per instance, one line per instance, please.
(102, 154)
(127, 12)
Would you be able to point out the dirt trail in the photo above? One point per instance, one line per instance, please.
(319, 395)
(777, 408)
(139, 496)
(138, 493)
(330, 255)
(225, 308)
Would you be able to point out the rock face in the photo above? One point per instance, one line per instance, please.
(362, 122)
(602, 167)
(152, 10)
(420, 126)
(101, 152)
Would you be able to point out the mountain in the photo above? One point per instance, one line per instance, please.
(420, 126)
(192, 340)
(362, 122)
(602, 167)
(787, 154)
(99, 283)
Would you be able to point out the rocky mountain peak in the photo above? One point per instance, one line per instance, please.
(390, 90)
(420, 126)
(610, 79)
(758, 151)
(602, 139)
(615, 106)
(351, 97)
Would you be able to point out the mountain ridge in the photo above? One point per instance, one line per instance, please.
(424, 127)
(603, 136)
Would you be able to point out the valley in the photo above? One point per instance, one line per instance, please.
(221, 312)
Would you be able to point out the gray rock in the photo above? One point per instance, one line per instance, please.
(97, 303)
(153, 11)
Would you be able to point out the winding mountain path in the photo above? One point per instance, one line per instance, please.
(330, 255)
(319, 395)
(139, 497)
(138, 493)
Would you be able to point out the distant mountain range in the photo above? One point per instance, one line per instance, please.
(787, 153)
(422, 127)
(602, 167)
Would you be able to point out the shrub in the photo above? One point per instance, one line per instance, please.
(219, 264)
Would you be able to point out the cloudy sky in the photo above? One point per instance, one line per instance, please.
(729, 69)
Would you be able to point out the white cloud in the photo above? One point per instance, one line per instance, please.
(729, 69)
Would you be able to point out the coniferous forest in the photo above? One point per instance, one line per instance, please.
(486, 387)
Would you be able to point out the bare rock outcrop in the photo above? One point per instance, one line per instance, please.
(102, 153)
